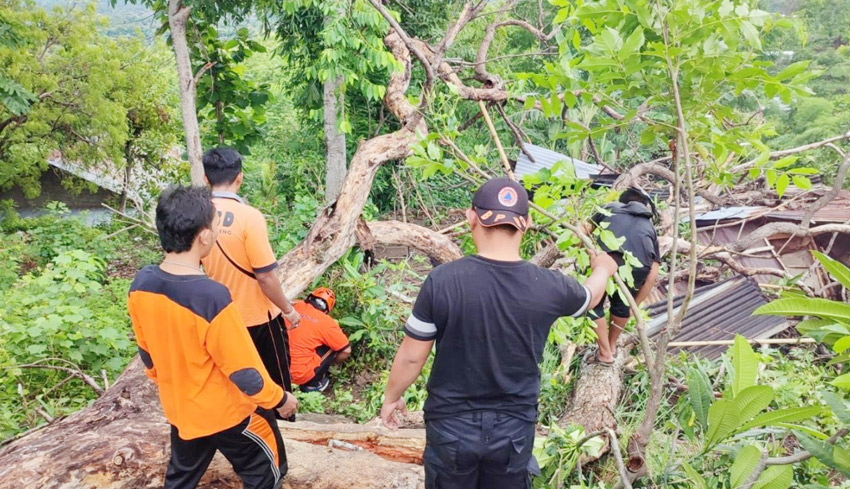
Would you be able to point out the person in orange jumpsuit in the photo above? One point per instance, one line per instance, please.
(318, 342)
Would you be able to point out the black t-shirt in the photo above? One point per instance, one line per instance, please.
(491, 320)
(632, 221)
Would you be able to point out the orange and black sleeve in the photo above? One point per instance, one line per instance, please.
(231, 348)
(150, 369)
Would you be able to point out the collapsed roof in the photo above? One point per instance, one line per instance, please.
(718, 311)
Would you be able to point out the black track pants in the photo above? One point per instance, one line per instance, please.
(484, 450)
(254, 448)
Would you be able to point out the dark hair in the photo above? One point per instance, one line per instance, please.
(182, 213)
(506, 229)
(635, 194)
(222, 165)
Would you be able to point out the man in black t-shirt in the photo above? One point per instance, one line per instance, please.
(631, 219)
(490, 316)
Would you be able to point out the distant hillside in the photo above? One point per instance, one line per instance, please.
(124, 19)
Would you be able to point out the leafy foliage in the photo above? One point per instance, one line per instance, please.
(89, 94)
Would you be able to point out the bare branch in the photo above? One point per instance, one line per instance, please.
(618, 456)
(787, 152)
(203, 70)
(72, 370)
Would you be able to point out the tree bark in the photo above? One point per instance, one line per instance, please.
(595, 398)
(178, 15)
(333, 101)
(333, 232)
(437, 246)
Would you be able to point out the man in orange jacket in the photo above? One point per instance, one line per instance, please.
(318, 342)
(213, 387)
(243, 260)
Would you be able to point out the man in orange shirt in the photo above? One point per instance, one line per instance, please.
(213, 387)
(318, 342)
(243, 260)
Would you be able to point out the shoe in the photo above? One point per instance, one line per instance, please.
(323, 384)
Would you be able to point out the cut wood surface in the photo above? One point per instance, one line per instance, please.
(403, 445)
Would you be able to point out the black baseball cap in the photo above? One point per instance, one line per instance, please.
(501, 201)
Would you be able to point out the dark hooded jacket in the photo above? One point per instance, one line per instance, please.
(632, 221)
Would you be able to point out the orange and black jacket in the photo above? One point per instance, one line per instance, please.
(194, 345)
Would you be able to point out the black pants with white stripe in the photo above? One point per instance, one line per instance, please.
(254, 448)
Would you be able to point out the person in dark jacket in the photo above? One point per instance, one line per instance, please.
(631, 219)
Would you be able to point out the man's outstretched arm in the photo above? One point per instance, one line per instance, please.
(408, 363)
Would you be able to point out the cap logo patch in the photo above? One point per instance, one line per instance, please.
(508, 197)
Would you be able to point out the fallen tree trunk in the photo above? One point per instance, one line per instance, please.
(595, 398)
(121, 441)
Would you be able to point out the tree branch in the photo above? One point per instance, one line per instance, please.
(837, 187)
(75, 371)
(787, 152)
(437, 246)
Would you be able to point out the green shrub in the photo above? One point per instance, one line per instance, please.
(67, 316)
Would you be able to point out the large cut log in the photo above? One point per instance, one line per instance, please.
(121, 442)
(596, 395)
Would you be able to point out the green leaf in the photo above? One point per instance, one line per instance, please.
(722, 421)
(699, 391)
(745, 365)
(838, 406)
(782, 184)
(842, 381)
(745, 462)
(824, 452)
(772, 418)
(697, 480)
(841, 345)
(751, 34)
(793, 70)
(752, 401)
(775, 477)
(802, 182)
(836, 269)
(785, 162)
(806, 306)
(632, 45)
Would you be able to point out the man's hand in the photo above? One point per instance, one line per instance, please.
(604, 262)
(290, 407)
(388, 413)
(293, 317)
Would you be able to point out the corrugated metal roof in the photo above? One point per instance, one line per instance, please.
(110, 176)
(546, 158)
(725, 213)
(717, 312)
(837, 211)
